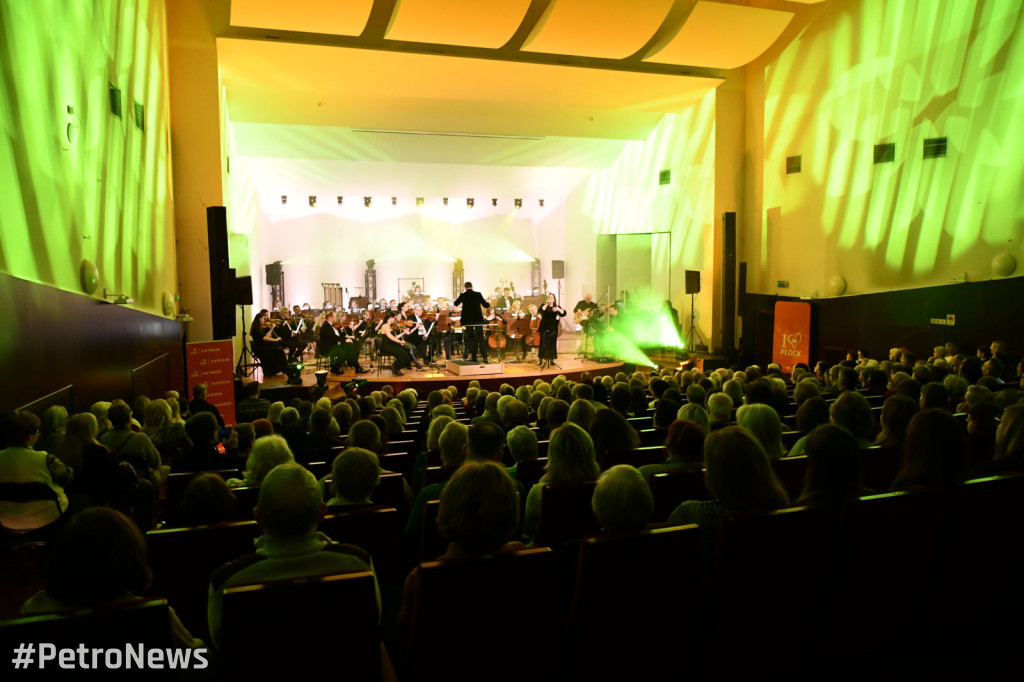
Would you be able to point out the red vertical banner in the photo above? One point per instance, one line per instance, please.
(792, 342)
(212, 363)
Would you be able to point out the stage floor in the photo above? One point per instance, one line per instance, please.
(568, 363)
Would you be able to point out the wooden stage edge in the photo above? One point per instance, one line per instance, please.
(437, 377)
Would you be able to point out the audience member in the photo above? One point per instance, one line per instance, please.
(833, 476)
(622, 501)
(289, 509)
(99, 560)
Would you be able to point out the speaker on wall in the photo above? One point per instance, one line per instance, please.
(273, 271)
(558, 269)
(693, 281)
(243, 291)
(222, 285)
(729, 280)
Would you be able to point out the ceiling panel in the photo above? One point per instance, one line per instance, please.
(473, 23)
(597, 28)
(723, 36)
(346, 18)
(271, 82)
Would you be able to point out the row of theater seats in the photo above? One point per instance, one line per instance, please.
(862, 586)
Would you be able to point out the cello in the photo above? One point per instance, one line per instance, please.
(533, 339)
(497, 339)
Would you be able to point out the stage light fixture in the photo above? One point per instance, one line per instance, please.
(312, 201)
(284, 198)
(294, 372)
(366, 201)
(445, 200)
(519, 203)
(394, 201)
(419, 201)
(469, 203)
(494, 202)
(340, 200)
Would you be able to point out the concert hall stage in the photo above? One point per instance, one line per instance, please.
(437, 377)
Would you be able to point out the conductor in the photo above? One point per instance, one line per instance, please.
(472, 303)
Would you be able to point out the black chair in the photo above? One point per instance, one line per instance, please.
(183, 559)
(565, 514)
(376, 529)
(282, 629)
(612, 602)
(500, 609)
(143, 622)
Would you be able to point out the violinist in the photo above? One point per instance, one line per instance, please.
(418, 330)
(290, 332)
(327, 342)
(393, 343)
(266, 345)
(352, 345)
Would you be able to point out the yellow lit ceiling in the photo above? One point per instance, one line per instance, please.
(498, 82)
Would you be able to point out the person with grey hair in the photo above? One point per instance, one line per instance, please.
(764, 424)
(622, 501)
(719, 409)
(695, 413)
(199, 403)
(289, 509)
(355, 473)
(267, 453)
(522, 445)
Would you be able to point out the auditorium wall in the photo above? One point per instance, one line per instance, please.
(866, 72)
(321, 247)
(628, 199)
(82, 183)
(79, 181)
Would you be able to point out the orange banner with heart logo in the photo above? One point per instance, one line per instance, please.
(792, 342)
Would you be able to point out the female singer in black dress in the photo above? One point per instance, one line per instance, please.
(266, 345)
(550, 313)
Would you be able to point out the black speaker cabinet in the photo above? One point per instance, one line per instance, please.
(693, 281)
(243, 291)
(558, 269)
(273, 271)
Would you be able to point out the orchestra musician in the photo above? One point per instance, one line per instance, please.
(471, 303)
(518, 328)
(266, 345)
(393, 343)
(290, 332)
(352, 344)
(328, 341)
(550, 314)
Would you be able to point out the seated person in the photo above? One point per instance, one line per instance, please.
(207, 499)
(135, 448)
(203, 431)
(99, 559)
(267, 453)
(685, 446)
(478, 515)
(522, 445)
(289, 510)
(19, 463)
(622, 501)
(355, 475)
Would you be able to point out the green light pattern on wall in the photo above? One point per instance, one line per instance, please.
(103, 194)
(872, 71)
